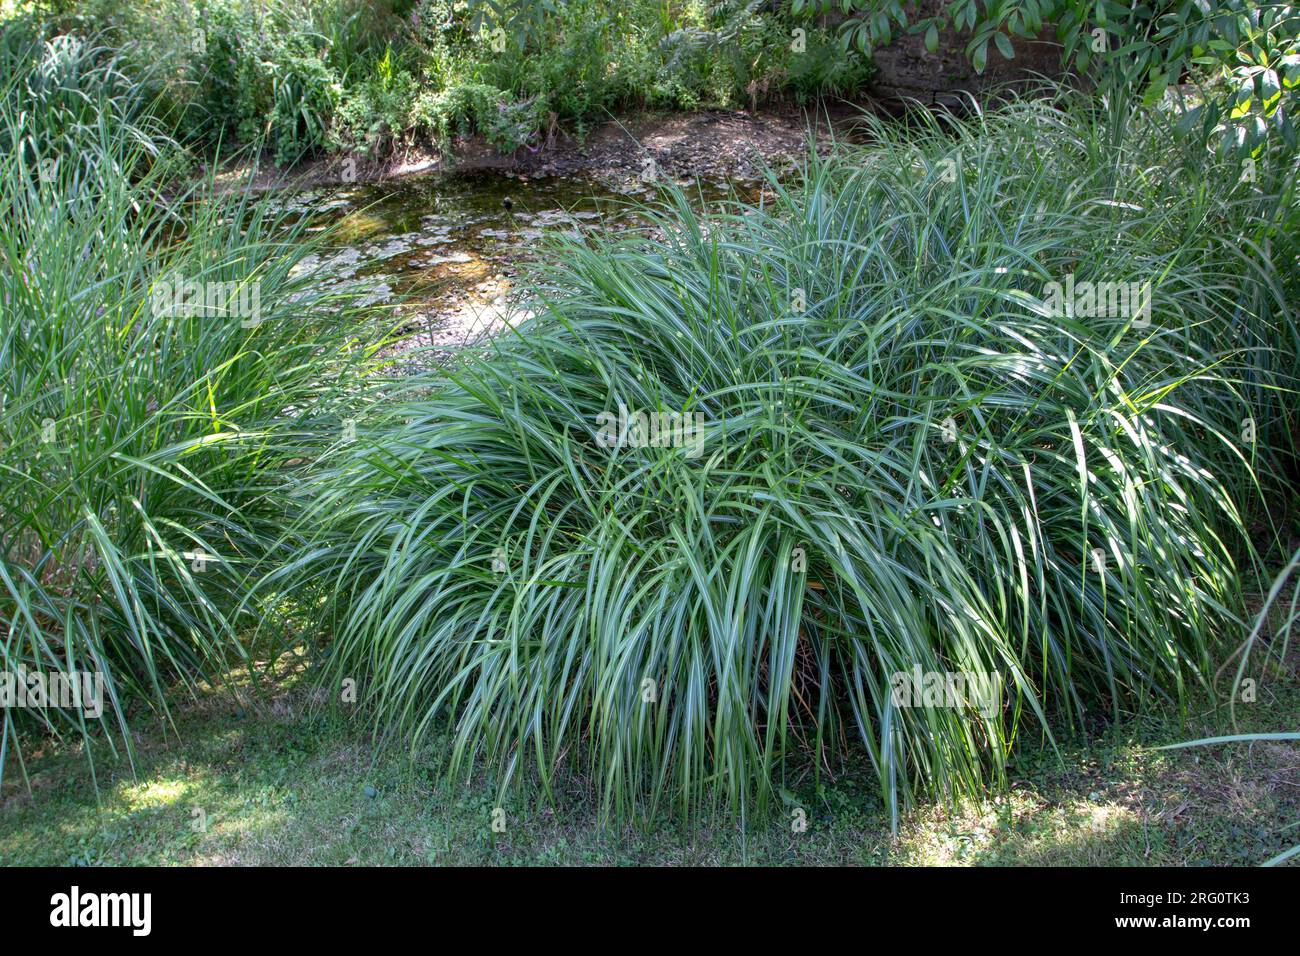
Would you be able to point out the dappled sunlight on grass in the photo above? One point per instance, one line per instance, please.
(1022, 828)
(291, 784)
(153, 793)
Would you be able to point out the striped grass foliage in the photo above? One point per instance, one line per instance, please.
(141, 448)
(907, 462)
(63, 94)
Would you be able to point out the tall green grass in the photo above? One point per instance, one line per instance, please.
(908, 462)
(140, 451)
(65, 95)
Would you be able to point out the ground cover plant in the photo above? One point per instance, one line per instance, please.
(895, 451)
(263, 777)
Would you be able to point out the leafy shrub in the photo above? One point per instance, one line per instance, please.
(1247, 51)
(377, 111)
(262, 80)
(236, 69)
(350, 74)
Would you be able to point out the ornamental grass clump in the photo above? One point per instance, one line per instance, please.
(164, 360)
(939, 445)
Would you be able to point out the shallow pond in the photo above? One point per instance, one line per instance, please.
(442, 249)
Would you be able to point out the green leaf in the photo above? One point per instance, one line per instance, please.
(932, 38)
(1004, 46)
(1191, 119)
(1290, 65)
(1270, 91)
(1155, 89)
(1283, 856)
(1232, 739)
(1245, 92)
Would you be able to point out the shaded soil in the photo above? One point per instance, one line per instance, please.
(709, 144)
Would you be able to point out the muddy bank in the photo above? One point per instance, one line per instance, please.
(709, 145)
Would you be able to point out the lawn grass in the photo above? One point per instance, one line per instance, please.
(283, 782)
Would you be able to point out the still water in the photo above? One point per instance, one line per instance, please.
(442, 250)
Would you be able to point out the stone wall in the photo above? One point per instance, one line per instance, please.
(907, 70)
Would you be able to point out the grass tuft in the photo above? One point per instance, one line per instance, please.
(908, 462)
(141, 447)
